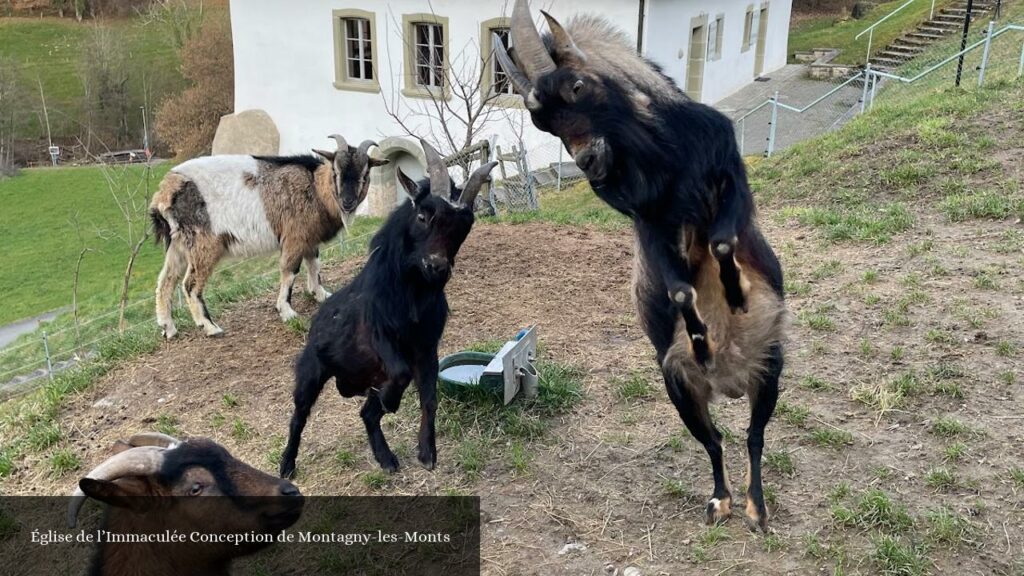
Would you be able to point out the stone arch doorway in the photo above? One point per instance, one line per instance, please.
(385, 191)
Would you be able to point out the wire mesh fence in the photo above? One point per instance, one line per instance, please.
(63, 343)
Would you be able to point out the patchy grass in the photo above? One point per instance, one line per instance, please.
(634, 387)
(874, 509)
(948, 427)
(831, 438)
(894, 557)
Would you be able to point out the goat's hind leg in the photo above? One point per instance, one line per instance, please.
(174, 267)
(202, 260)
(693, 409)
(763, 398)
(310, 377)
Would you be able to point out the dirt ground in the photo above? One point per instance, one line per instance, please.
(600, 476)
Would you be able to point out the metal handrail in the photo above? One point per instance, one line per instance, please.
(870, 30)
(934, 67)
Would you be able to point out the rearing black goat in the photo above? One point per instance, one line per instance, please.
(381, 331)
(707, 284)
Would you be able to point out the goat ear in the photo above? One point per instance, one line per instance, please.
(411, 188)
(127, 492)
(328, 155)
(375, 162)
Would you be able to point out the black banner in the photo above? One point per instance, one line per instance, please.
(248, 536)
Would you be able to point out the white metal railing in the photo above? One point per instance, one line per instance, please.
(870, 30)
(871, 79)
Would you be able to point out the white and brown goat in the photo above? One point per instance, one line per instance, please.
(217, 206)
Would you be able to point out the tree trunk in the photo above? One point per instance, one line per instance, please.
(74, 296)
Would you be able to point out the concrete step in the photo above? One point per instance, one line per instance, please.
(943, 24)
(934, 31)
(926, 36)
(961, 12)
(904, 51)
(913, 42)
(951, 18)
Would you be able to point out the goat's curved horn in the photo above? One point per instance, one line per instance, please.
(154, 439)
(365, 147)
(476, 181)
(531, 54)
(342, 144)
(565, 49)
(140, 461)
(440, 181)
(519, 80)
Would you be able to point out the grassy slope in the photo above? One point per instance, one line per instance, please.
(828, 32)
(50, 50)
(42, 246)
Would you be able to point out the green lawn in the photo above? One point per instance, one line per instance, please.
(829, 32)
(38, 209)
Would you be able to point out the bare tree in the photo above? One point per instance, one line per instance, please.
(12, 105)
(179, 20)
(455, 115)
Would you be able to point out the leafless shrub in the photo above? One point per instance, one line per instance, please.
(188, 121)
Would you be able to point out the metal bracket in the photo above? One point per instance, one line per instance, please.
(514, 364)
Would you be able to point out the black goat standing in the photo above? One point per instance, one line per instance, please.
(673, 166)
(381, 331)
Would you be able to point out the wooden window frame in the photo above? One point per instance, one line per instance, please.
(412, 89)
(342, 81)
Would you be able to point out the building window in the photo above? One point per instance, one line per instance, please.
(500, 90)
(355, 47)
(748, 29)
(500, 83)
(358, 50)
(426, 62)
(715, 29)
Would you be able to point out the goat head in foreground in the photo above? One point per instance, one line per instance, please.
(154, 483)
(380, 332)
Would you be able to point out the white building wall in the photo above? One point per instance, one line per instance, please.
(667, 41)
(284, 63)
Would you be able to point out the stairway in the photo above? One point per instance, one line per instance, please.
(947, 21)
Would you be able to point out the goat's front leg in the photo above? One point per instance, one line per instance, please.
(313, 285)
(385, 399)
(732, 215)
(426, 380)
(290, 262)
(661, 252)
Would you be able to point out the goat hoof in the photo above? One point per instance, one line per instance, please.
(214, 331)
(287, 314)
(718, 510)
(321, 295)
(757, 517)
(288, 471)
(170, 332)
(427, 460)
(389, 463)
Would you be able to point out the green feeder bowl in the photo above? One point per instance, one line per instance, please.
(504, 373)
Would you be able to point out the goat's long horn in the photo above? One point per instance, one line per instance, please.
(342, 144)
(364, 148)
(531, 54)
(476, 181)
(141, 461)
(440, 181)
(519, 80)
(565, 49)
(154, 439)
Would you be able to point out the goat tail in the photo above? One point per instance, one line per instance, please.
(161, 228)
